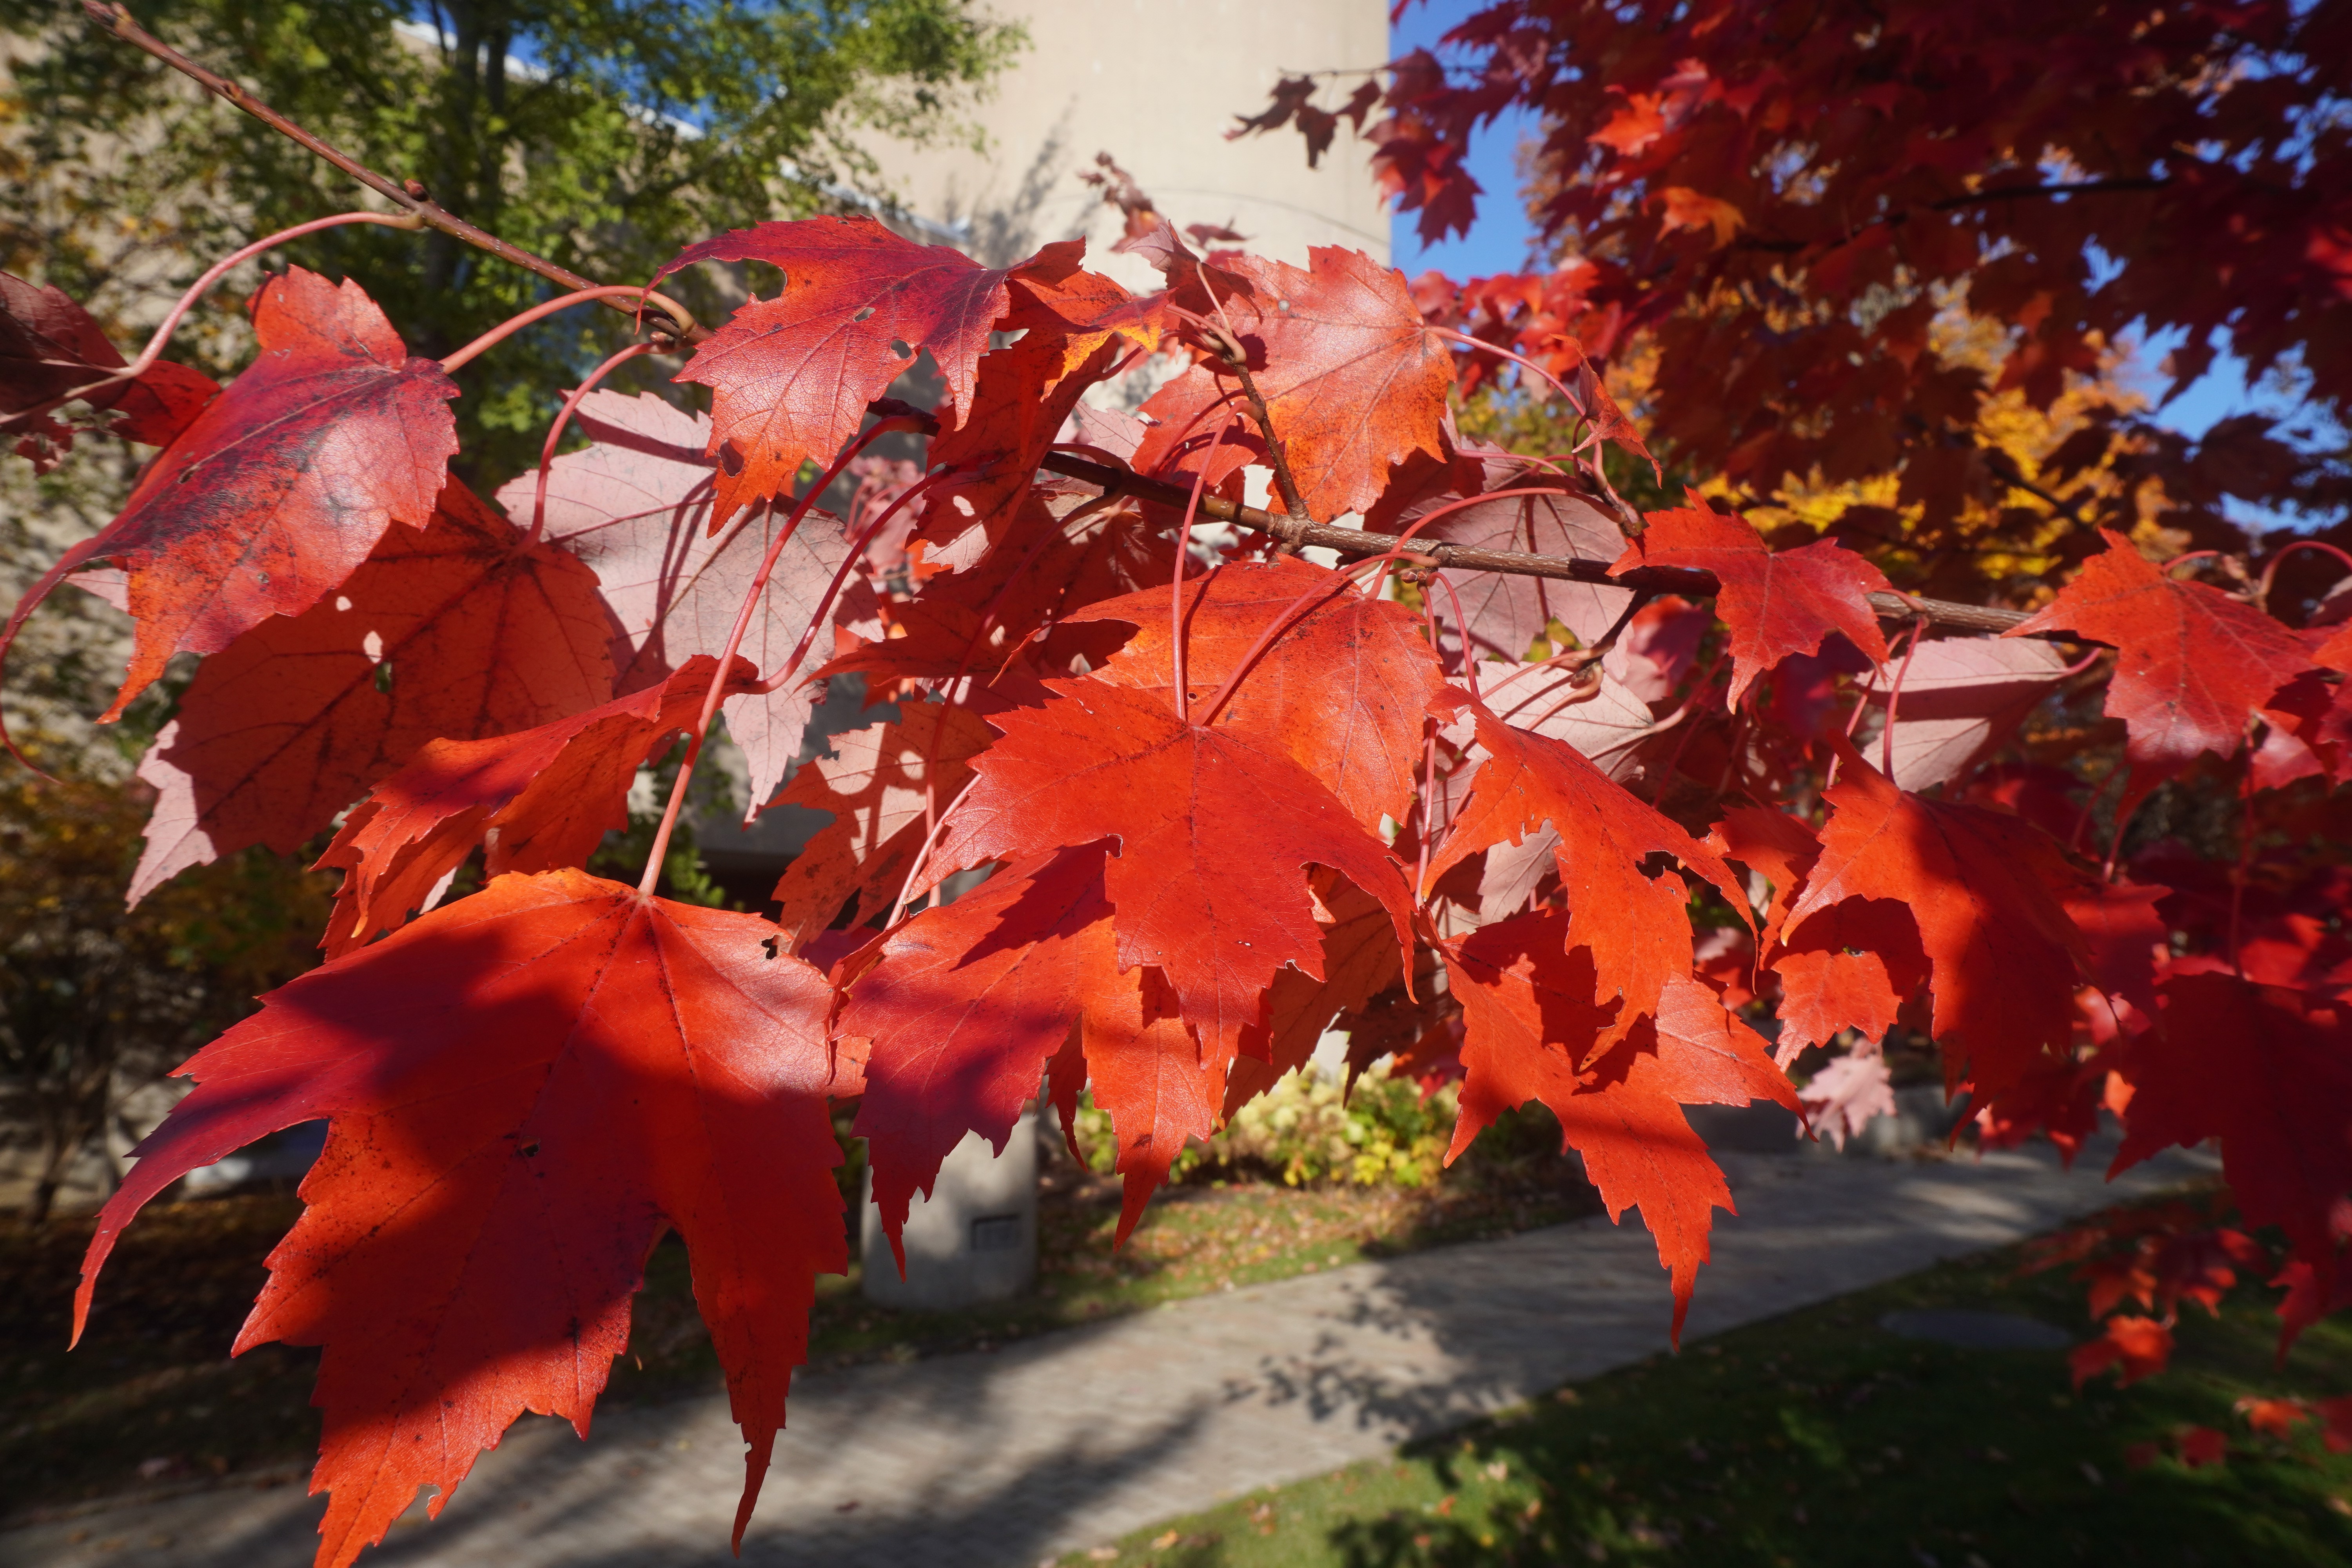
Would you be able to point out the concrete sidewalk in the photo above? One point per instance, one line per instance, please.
(1071, 1439)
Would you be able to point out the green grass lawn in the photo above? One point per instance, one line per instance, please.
(1818, 1439)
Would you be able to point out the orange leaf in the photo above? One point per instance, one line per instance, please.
(1527, 1000)
(791, 376)
(1687, 209)
(2191, 664)
(1342, 691)
(1353, 380)
(1214, 830)
(2135, 1347)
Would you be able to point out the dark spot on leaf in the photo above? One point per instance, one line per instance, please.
(731, 459)
(528, 1150)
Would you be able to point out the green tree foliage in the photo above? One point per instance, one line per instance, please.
(601, 134)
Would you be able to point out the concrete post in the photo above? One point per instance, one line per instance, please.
(975, 1239)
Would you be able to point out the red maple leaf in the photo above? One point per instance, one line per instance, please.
(1777, 846)
(1359, 959)
(1853, 963)
(632, 505)
(541, 799)
(1774, 601)
(1850, 966)
(1342, 690)
(2265, 1071)
(1526, 1001)
(281, 487)
(460, 631)
(1009, 610)
(1636, 927)
(2003, 959)
(791, 376)
(1074, 326)
(2191, 664)
(964, 1005)
(884, 784)
(1214, 831)
(1353, 380)
(524, 1090)
(2135, 1347)
(49, 347)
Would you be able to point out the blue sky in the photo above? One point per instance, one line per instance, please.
(1499, 241)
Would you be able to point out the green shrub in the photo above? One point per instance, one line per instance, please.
(1303, 1132)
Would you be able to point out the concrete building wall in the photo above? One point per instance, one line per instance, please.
(1156, 84)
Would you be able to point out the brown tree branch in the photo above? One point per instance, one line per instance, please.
(409, 196)
(1358, 542)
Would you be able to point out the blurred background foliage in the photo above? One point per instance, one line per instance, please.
(601, 134)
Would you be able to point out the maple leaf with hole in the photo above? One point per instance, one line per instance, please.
(964, 1005)
(460, 631)
(2191, 664)
(2003, 959)
(1214, 831)
(1353, 380)
(1636, 927)
(2268, 1072)
(1775, 603)
(1506, 612)
(281, 487)
(1525, 990)
(1342, 690)
(50, 347)
(524, 1091)
(632, 505)
(539, 799)
(882, 783)
(791, 376)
